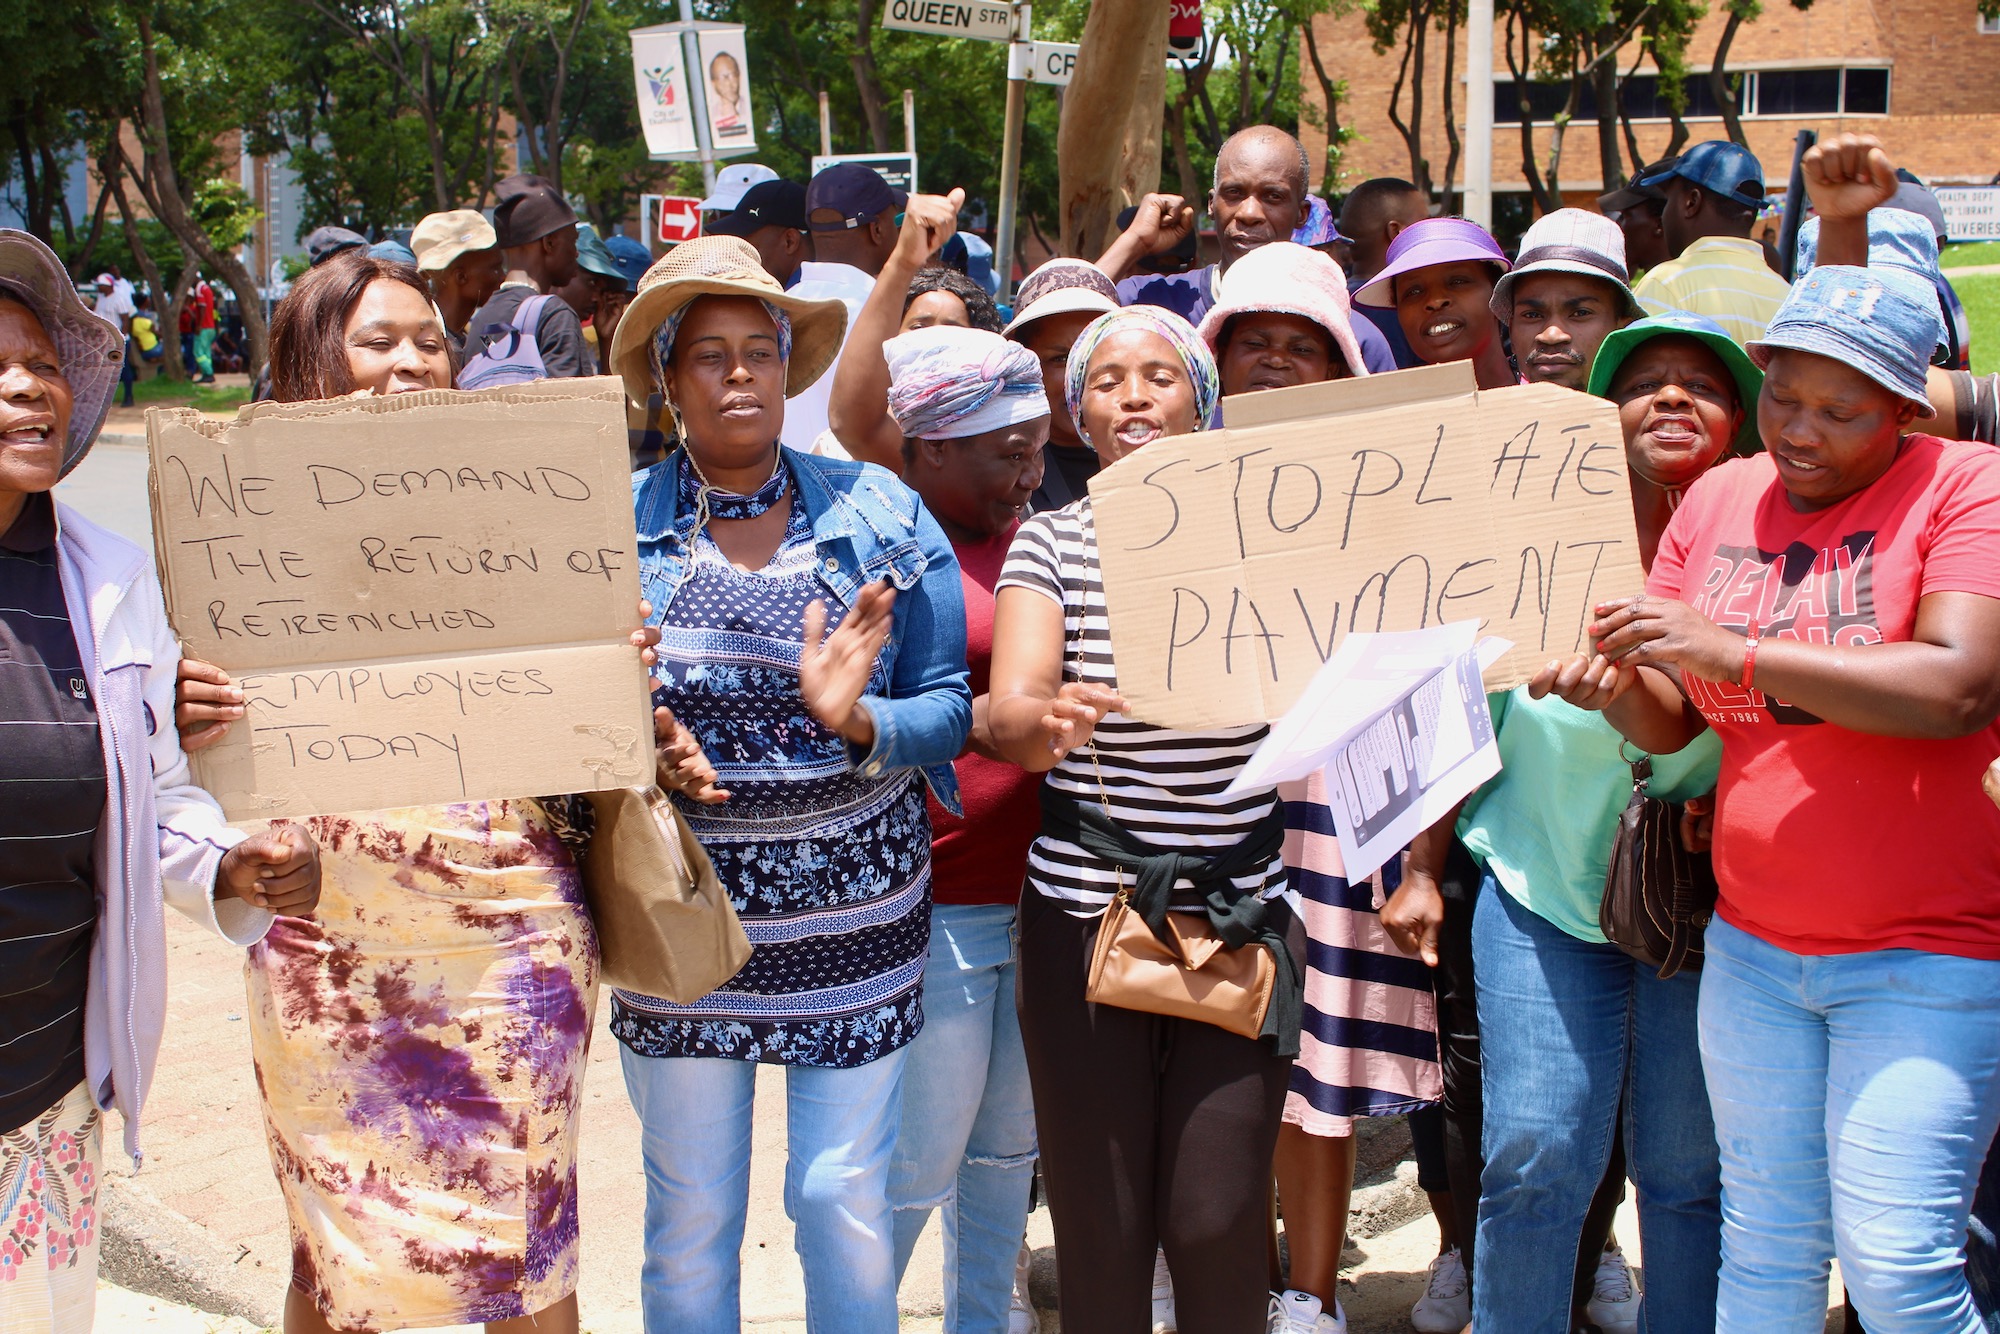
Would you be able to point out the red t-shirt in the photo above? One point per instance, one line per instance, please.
(983, 858)
(204, 306)
(1830, 841)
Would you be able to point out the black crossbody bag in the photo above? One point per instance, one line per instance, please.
(1658, 896)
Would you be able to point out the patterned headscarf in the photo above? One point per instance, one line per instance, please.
(663, 341)
(946, 383)
(1194, 355)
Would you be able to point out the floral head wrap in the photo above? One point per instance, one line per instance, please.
(945, 383)
(1194, 355)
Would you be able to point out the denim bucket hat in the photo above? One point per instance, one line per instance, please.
(1622, 343)
(1897, 239)
(1883, 322)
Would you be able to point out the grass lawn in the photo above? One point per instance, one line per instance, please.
(153, 392)
(1964, 254)
(1981, 295)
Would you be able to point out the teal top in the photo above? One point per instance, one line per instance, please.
(1544, 824)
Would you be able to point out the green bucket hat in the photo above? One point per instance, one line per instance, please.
(1621, 343)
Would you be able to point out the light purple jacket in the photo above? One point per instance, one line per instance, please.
(162, 837)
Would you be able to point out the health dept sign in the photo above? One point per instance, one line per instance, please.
(950, 18)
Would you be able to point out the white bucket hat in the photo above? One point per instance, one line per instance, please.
(1570, 240)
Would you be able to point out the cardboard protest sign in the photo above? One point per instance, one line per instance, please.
(1234, 561)
(426, 598)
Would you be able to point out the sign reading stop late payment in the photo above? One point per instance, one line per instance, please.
(950, 18)
(426, 598)
(1234, 561)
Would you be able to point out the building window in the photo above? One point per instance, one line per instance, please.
(1860, 91)
(1990, 26)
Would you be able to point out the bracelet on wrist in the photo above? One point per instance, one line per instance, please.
(1750, 642)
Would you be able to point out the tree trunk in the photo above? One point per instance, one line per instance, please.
(36, 210)
(1544, 201)
(1446, 204)
(1120, 81)
(169, 313)
(867, 80)
(1604, 82)
(1330, 92)
(1625, 124)
(88, 250)
(170, 207)
(1411, 130)
(1718, 79)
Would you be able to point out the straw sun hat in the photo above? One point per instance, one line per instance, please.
(721, 266)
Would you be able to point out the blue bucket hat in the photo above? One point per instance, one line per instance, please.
(1717, 166)
(1897, 239)
(631, 257)
(1883, 322)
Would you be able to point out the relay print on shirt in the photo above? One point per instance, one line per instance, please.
(1820, 595)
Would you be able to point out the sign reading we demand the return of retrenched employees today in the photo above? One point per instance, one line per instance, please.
(426, 598)
(1234, 561)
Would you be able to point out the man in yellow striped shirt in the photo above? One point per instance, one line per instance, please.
(1713, 193)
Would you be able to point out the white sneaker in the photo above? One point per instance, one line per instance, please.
(1163, 1297)
(1021, 1316)
(1446, 1306)
(1295, 1312)
(1614, 1298)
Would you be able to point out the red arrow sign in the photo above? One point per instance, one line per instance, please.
(680, 219)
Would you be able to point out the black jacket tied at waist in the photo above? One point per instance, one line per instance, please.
(1240, 919)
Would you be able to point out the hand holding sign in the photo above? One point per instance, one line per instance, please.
(276, 868)
(206, 701)
(683, 767)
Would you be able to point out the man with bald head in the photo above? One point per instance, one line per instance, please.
(1262, 178)
(1371, 216)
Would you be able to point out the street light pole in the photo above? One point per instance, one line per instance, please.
(1478, 203)
(698, 92)
(1018, 52)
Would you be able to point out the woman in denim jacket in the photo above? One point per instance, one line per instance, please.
(795, 755)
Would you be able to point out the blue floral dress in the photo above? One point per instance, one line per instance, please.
(829, 870)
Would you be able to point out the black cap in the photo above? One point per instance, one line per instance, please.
(765, 204)
(528, 209)
(323, 243)
(1632, 194)
(857, 193)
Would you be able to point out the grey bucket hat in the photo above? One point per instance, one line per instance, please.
(92, 349)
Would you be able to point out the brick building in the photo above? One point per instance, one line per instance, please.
(1924, 75)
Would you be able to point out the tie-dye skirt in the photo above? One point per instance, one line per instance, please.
(420, 1047)
(49, 1174)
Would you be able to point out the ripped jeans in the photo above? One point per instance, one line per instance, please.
(967, 1143)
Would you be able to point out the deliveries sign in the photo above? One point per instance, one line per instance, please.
(1234, 561)
(426, 598)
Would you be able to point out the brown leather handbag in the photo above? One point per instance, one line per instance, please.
(1195, 977)
(1658, 896)
(665, 925)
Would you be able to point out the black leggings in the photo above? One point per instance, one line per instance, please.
(1154, 1131)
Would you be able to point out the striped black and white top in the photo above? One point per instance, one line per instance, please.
(52, 793)
(1162, 786)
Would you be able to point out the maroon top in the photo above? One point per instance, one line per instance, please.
(983, 858)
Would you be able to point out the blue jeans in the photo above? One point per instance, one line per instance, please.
(1568, 1028)
(1855, 1097)
(694, 1115)
(968, 1135)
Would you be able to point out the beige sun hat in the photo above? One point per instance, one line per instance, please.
(442, 237)
(721, 266)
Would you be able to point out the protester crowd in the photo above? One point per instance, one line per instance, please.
(888, 709)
